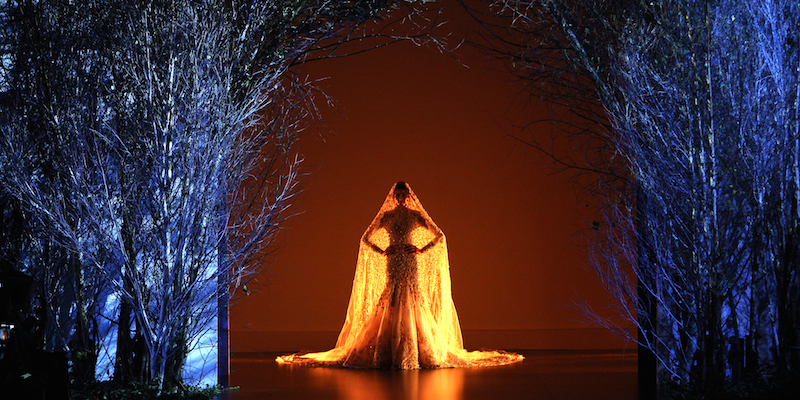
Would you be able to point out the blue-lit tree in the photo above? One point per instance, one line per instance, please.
(146, 160)
(698, 163)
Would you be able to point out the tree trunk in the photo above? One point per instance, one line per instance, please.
(223, 339)
(647, 371)
(647, 365)
(82, 345)
(124, 370)
(123, 363)
(173, 366)
(788, 360)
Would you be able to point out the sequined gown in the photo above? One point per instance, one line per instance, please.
(401, 312)
(407, 343)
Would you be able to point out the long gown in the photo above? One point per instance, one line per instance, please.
(401, 312)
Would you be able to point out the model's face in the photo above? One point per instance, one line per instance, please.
(400, 196)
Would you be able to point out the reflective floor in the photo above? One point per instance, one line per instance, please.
(544, 374)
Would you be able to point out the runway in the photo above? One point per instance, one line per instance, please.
(543, 375)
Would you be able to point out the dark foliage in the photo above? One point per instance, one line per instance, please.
(142, 391)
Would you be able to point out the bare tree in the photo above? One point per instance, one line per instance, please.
(149, 145)
(698, 241)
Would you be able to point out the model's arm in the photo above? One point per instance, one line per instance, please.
(369, 243)
(435, 229)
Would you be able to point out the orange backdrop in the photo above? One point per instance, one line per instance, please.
(411, 113)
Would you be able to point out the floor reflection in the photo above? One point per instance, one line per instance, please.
(542, 375)
(445, 384)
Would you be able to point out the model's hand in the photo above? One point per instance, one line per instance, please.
(410, 249)
(390, 250)
(404, 249)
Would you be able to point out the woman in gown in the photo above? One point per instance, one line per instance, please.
(401, 312)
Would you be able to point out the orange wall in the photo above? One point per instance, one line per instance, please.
(410, 113)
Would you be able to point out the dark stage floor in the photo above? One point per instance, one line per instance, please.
(544, 374)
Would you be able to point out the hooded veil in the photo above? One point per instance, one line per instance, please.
(406, 299)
